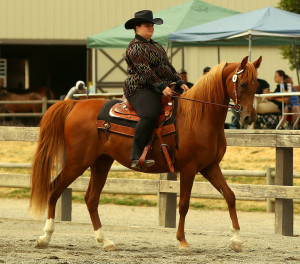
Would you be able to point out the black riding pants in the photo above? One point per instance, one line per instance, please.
(147, 104)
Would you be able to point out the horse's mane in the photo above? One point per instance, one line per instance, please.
(210, 88)
(202, 90)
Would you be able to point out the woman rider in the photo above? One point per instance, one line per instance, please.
(149, 74)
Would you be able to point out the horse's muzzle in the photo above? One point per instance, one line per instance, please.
(248, 118)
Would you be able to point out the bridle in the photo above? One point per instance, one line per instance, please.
(236, 107)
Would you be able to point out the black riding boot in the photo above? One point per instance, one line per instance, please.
(147, 104)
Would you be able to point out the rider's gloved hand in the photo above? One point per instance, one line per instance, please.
(167, 91)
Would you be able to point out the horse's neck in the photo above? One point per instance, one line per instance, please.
(216, 116)
(212, 117)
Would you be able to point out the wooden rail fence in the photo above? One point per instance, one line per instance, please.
(44, 102)
(167, 186)
(9, 180)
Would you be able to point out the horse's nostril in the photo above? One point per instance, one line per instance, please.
(247, 119)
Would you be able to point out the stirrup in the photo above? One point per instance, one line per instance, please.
(148, 163)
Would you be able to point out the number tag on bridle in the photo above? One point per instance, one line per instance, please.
(234, 78)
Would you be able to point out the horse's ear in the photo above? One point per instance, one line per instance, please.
(244, 62)
(257, 62)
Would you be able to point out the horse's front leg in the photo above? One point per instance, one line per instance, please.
(186, 184)
(215, 176)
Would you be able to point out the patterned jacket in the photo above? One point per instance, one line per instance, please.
(148, 67)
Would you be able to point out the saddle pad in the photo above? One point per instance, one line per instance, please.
(126, 127)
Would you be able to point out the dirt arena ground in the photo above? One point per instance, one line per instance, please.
(139, 239)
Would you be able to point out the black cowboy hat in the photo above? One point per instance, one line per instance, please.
(144, 16)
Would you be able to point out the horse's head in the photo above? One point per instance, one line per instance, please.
(241, 87)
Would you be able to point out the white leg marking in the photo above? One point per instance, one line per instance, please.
(44, 240)
(235, 241)
(100, 238)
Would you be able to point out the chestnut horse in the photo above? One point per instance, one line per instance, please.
(44, 91)
(68, 132)
(20, 108)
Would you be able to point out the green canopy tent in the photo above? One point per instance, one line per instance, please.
(185, 15)
(175, 18)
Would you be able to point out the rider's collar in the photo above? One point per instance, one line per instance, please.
(143, 39)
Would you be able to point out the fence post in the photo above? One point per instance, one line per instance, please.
(284, 176)
(63, 210)
(167, 203)
(44, 104)
(270, 181)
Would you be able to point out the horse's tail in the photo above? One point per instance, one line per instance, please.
(50, 150)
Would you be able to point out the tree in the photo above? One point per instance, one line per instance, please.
(287, 51)
(290, 5)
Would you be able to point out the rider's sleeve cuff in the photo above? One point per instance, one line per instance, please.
(180, 82)
(160, 87)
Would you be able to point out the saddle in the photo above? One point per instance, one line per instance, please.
(124, 111)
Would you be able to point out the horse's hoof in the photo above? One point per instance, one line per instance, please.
(41, 243)
(110, 246)
(237, 247)
(184, 249)
(184, 246)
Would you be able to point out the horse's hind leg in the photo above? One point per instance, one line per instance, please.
(58, 185)
(99, 171)
(216, 178)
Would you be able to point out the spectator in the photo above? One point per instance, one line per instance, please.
(292, 103)
(206, 70)
(295, 87)
(183, 76)
(263, 87)
(264, 106)
(267, 111)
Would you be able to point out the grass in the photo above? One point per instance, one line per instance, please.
(130, 200)
(151, 200)
(236, 158)
(14, 193)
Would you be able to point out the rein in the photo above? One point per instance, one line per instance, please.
(236, 107)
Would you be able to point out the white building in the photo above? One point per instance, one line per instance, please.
(44, 41)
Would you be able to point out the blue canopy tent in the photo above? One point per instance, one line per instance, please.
(266, 26)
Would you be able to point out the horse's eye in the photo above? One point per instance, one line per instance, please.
(244, 85)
